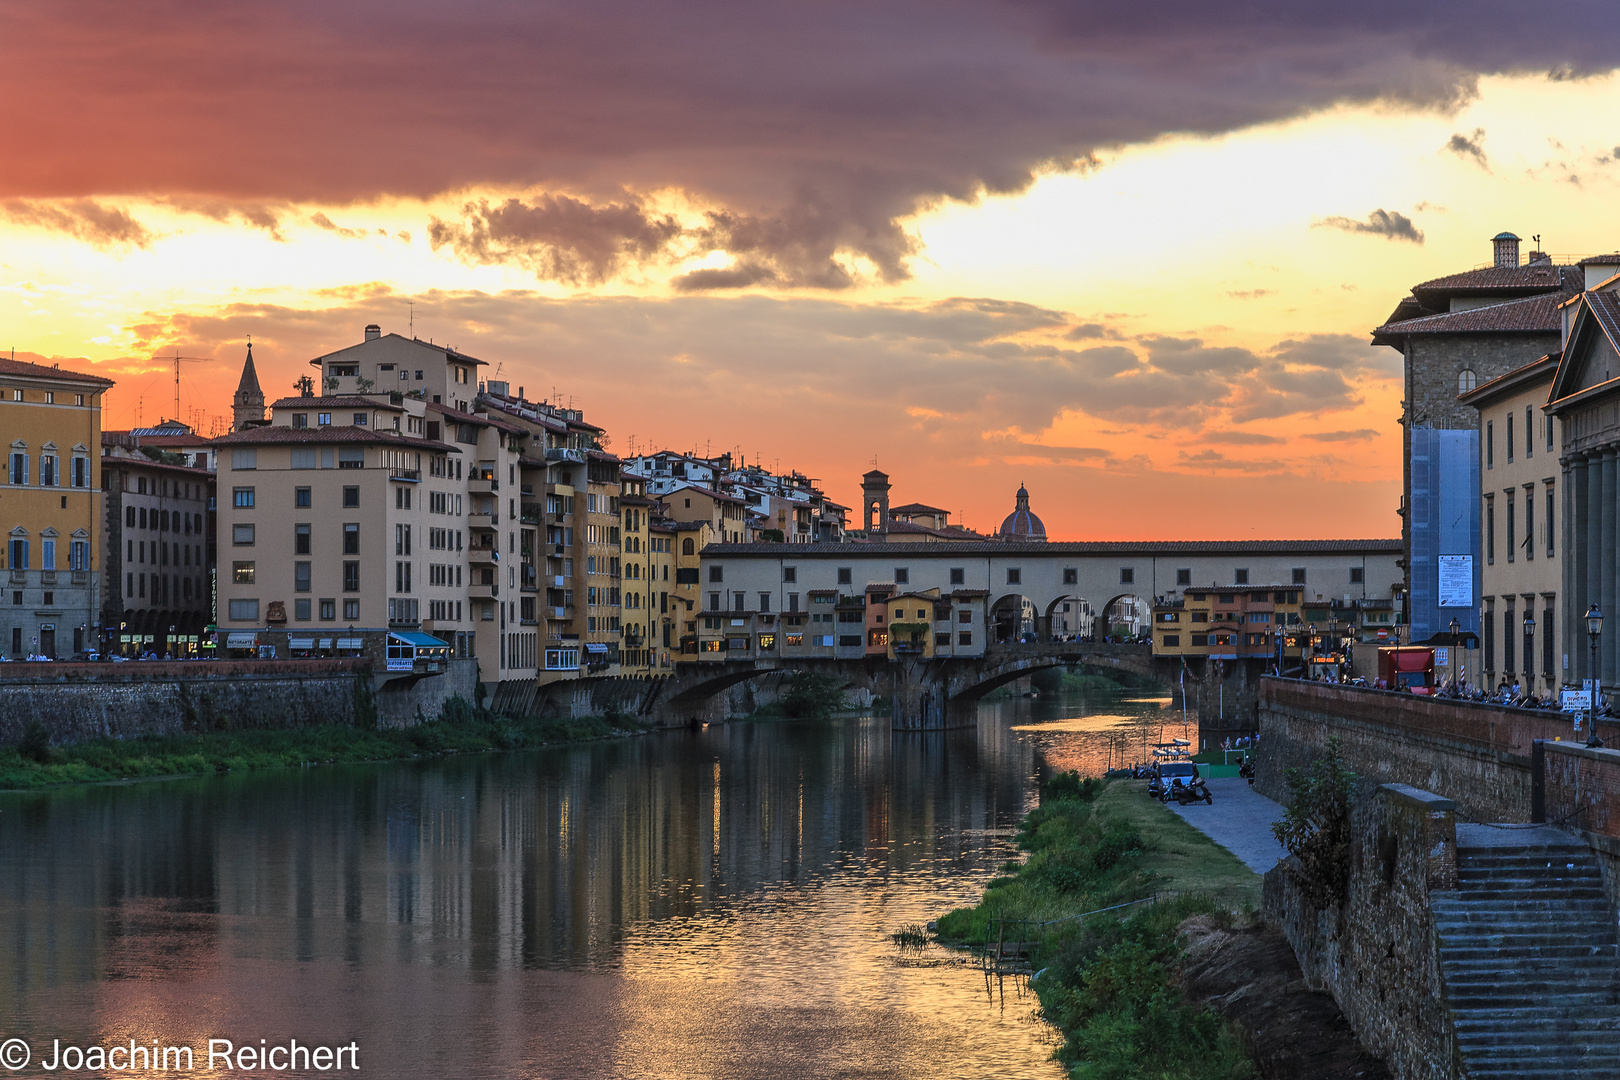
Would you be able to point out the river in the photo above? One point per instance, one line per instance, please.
(713, 904)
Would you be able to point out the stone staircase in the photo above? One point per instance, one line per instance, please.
(1528, 953)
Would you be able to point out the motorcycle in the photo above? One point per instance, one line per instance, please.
(1246, 770)
(1196, 791)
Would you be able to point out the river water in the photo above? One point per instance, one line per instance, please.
(711, 904)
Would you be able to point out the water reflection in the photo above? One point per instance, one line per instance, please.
(711, 904)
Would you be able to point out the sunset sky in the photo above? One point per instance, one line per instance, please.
(1128, 255)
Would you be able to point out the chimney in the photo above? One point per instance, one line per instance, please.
(520, 394)
(373, 331)
(1506, 249)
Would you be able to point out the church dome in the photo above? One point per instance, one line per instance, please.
(1022, 524)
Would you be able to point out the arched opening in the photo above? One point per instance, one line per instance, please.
(1126, 617)
(1070, 618)
(687, 547)
(1013, 619)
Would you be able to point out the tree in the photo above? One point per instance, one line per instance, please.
(1315, 826)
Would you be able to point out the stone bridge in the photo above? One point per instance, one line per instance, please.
(925, 693)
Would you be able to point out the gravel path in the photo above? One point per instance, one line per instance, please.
(1239, 820)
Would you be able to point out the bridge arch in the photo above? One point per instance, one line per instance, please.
(1013, 618)
(1128, 610)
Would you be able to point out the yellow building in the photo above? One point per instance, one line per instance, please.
(639, 601)
(52, 508)
(910, 618)
(664, 626)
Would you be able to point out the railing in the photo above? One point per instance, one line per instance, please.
(563, 453)
(405, 474)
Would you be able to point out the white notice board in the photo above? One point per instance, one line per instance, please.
(1456, 581)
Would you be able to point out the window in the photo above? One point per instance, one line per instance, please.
(964, 637)
(351, 538)
(1529, 434)
(1199, 641)
(81, 472)
(1014, 574)
(244, 610)
(1548, 420)
(304, 457)
(1529, 524)
(1466, 380)
(1299, 575)
(19, 553)
(78, 399)
(790, 573)
(359, 419)
(1490, 529)
(1509, 439)
(1490, 444)
(845, 575)
(242, 535)
(1172, 641)
(351, 496)
(242, 498)
(1127, 575)
(300, 420)
(1357, 575)
(687, 547)
(323, 419)
(245, 457)
(1240, 576)
(764, 601)
(1510, 530)
(351, 578)
(242, 573)
(301, 581)
(47, 554)
(958, 575)
(1551, 505)
(902, 575)
(351, 609)
(717, 573)
(351, 457)
(300, 539)
(965, 616)
(714, 601)
(1184, 576)
(19, 467)
(79, 555)
(47, 470)
(1547, 665)
(301, 498)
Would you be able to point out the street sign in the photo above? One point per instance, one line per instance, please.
(1576, 701)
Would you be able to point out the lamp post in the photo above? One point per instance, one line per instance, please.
(1594, 631)
(1529, 650)
(1310, 639)
(1455, 626)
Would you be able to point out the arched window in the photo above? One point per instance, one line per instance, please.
(1466, 380)
(687, 547)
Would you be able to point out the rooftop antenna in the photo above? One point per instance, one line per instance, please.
(412, 304)
(176, 360)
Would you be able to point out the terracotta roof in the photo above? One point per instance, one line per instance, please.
(1146, 548)
(483, 419)
(342, 401)
(449, 352)
(550, 423)
(137, 460)
(42, 371)
(1534, 277)
(601, 455)
(1531, 315)
(1611, 259)
(272, 434)
(917, 508)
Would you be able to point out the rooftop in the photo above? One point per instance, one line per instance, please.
(1146, 548)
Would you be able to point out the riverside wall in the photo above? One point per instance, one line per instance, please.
(78, 702)
(1377, 952)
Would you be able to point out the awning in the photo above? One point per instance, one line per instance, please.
(240, 641)
(301, 643)
(420, 640)
(351, 643)
(326, 643)
(596, 648)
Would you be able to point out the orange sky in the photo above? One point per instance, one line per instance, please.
(993, 245)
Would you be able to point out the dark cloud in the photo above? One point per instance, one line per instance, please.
(1239, 438)
(1091, 331)
(1358, 435)
(809, 130)
(1389, 224)
(84, 219)
(558, 237)
(258, 215)
(1470, 146)
(322, 221)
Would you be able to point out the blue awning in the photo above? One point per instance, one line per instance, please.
(421, 641)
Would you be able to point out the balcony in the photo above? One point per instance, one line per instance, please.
(47, 577)
(483, 591)
(559, 613)
(564, 453)
(18, 577)
(532, 513)
(482, 553)
(81, 577)
(412, 475)
(481, 521)
(483, 485)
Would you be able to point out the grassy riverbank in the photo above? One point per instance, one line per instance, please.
(460, 728)
(1108, 981)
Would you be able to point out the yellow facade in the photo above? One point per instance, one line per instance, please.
(51, 505)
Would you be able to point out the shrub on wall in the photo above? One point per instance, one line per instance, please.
(1315, 827)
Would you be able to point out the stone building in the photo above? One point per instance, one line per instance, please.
(1453, 333)
(53, 504)
(158, 593)
(247, 404)
(1521, 635)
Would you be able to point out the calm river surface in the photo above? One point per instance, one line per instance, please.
(711, 904)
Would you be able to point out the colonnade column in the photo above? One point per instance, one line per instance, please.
(1565, 546)
(1593, 540)
(1607, 560)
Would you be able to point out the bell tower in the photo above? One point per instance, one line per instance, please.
(247, 407)
(875, 500)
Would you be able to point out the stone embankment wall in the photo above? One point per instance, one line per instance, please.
(400, 705)
(77, 702)
(1479, 755)
(1377, 952)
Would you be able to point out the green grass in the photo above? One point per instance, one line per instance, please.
(1108, 980)
(459, 729)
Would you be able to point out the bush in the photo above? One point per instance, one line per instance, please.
(36, 743)
(1315, 826)
(813, 697)
(1071, 785)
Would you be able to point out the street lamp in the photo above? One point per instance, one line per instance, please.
(1594, 631)
(1529, 650)
(1455, 626)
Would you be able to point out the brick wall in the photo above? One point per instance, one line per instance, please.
(77, 702)
(1479, 755)
(1376, 952)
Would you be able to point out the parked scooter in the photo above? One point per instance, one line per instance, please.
(1197, 791)
(1246, 770)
